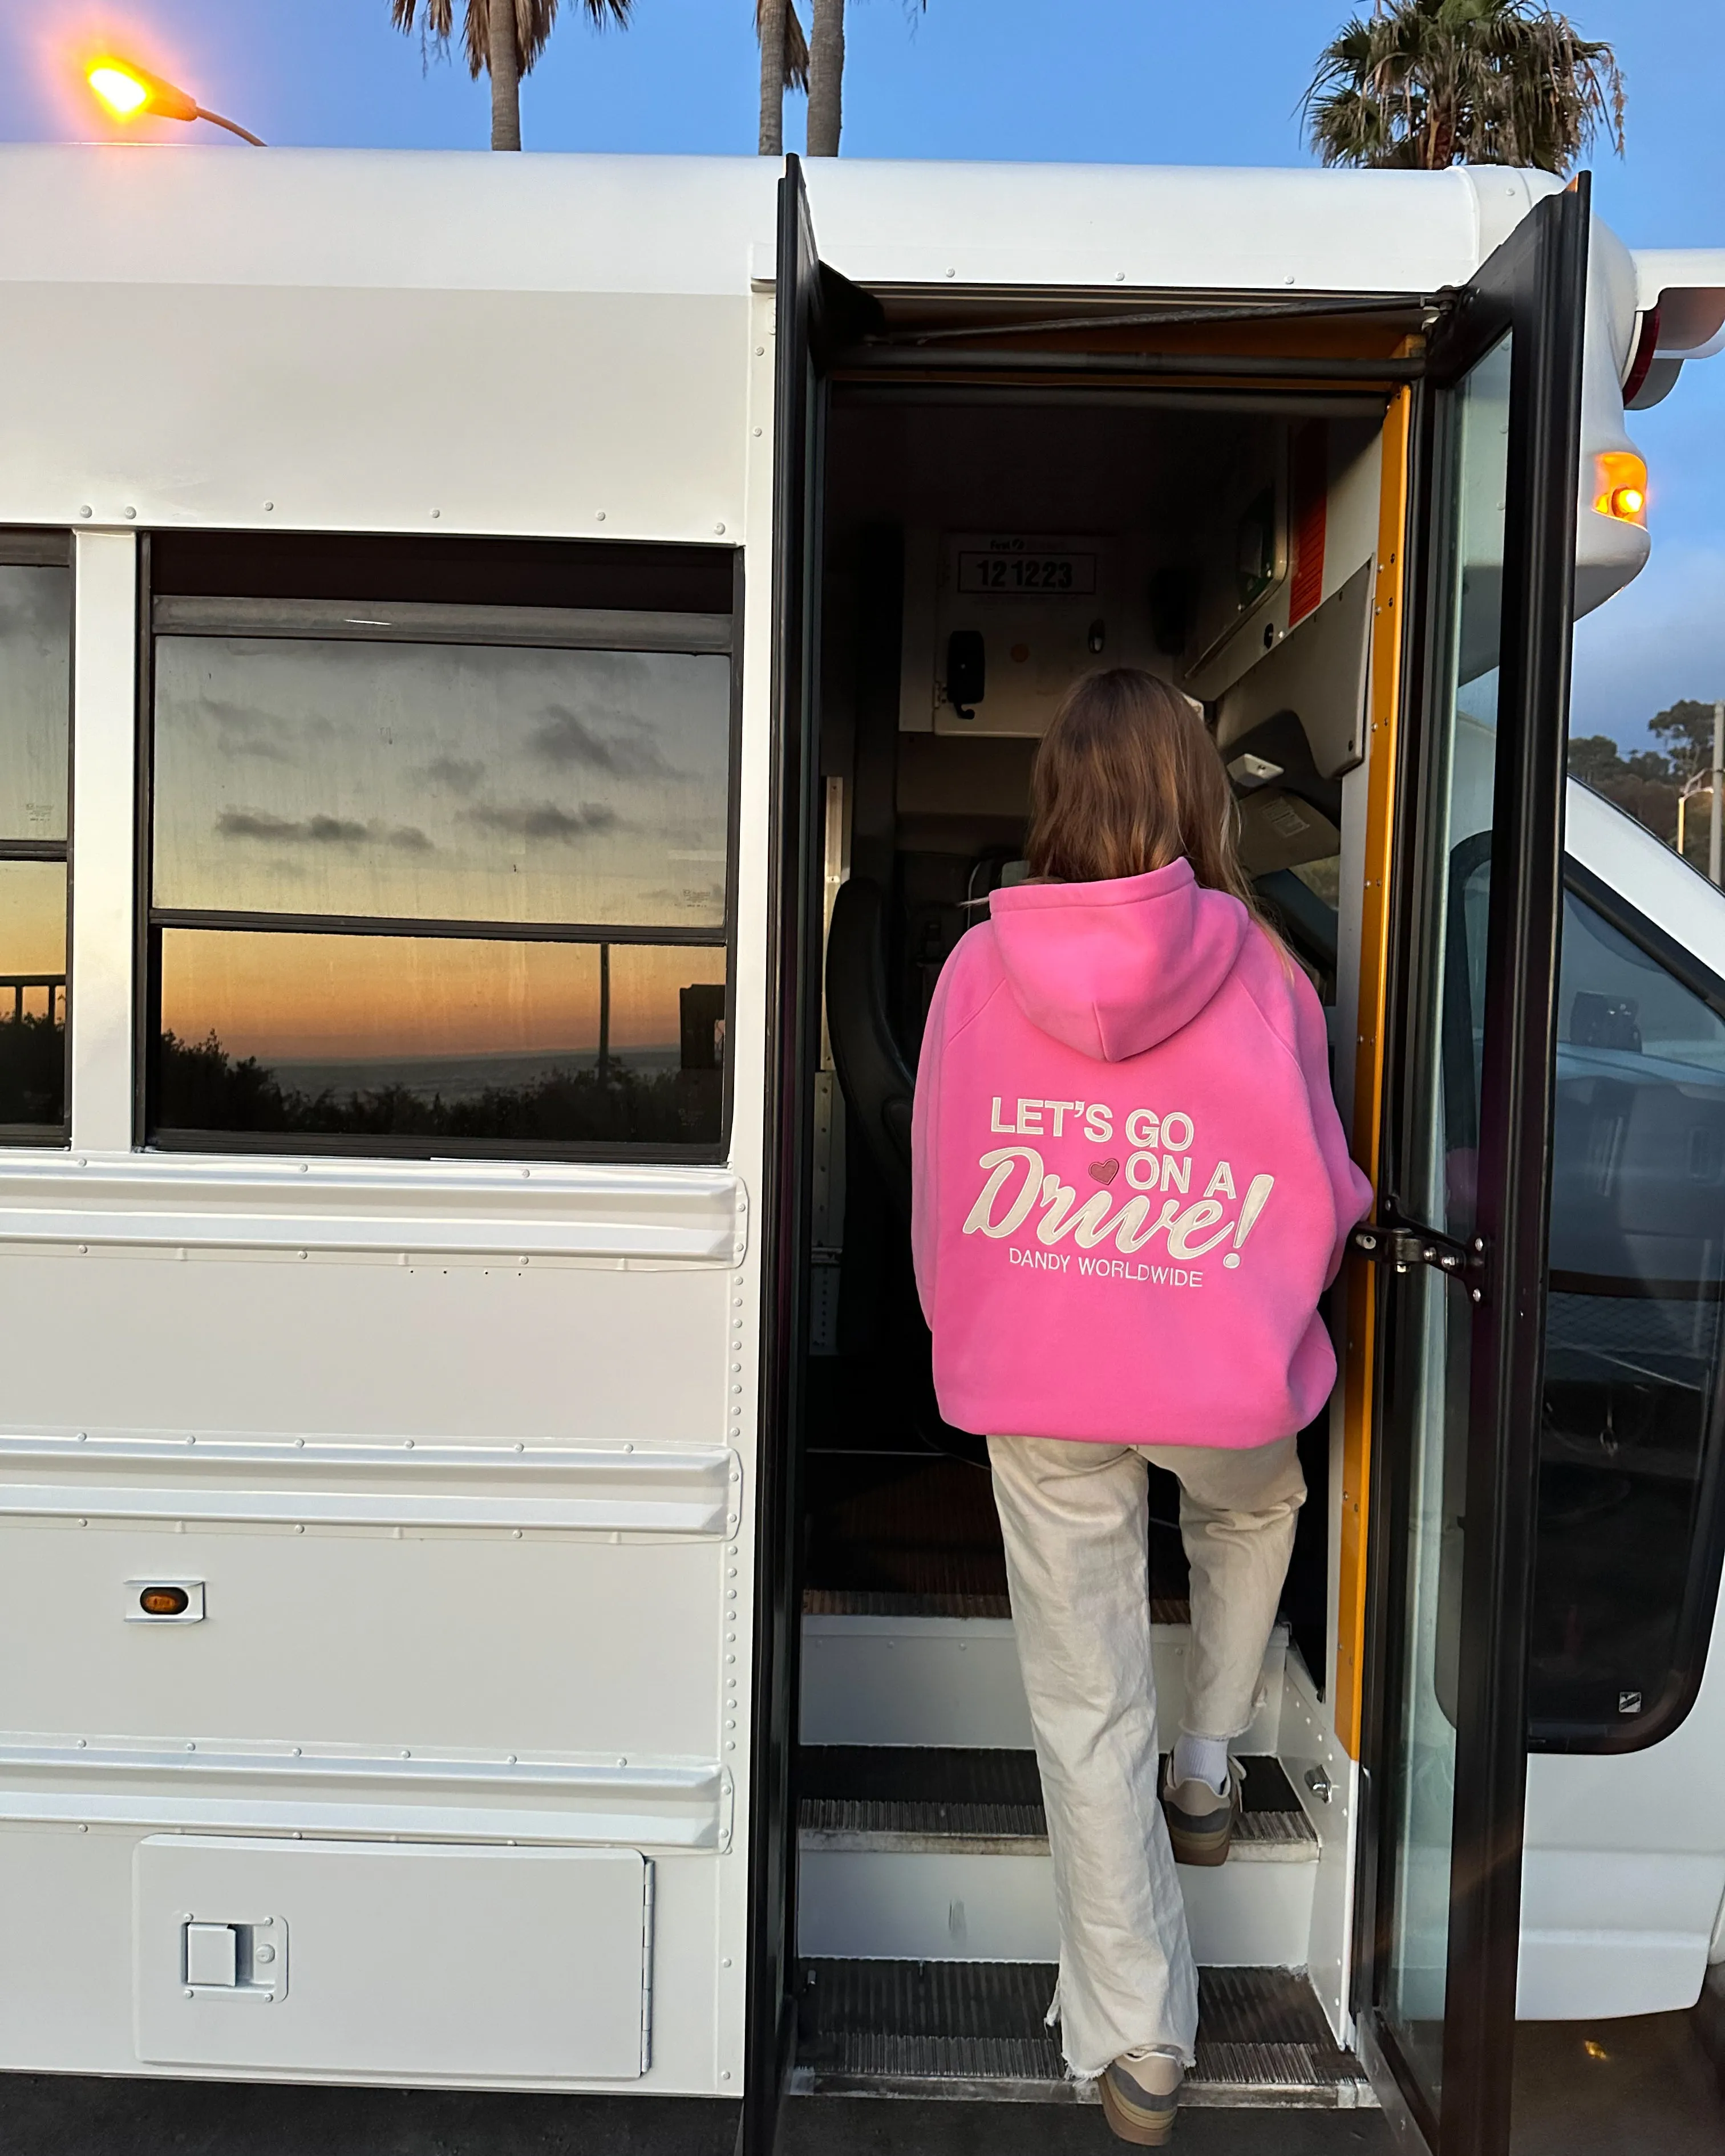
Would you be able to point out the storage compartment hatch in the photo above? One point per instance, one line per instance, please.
(442, 1962)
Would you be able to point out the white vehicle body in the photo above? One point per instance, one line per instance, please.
(461, 1455)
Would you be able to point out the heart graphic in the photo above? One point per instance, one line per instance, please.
(1104, 1171)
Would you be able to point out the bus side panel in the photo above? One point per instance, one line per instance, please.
(253, 406)
(371, 1667)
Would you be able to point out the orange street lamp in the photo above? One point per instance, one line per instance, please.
(127, 90)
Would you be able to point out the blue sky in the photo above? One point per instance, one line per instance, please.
(1140, 80)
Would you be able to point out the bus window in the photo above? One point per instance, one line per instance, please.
(1627, 1566)
(1627, 1561)
(435, 878)
(35, 703)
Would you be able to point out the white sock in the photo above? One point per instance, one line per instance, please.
(1201, 1760)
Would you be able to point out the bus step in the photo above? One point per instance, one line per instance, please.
(922, 1796)
(974, 2030)
(894, 1602)
(940, 1854)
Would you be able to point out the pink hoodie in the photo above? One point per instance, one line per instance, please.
(1131, 1182)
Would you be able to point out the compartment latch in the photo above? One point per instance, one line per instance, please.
(234, 1961)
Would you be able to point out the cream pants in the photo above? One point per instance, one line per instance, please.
(1074, 1519)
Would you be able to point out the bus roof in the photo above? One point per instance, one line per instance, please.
(458, 220)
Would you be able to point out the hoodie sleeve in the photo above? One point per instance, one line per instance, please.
(925, 1145)
(1351, 1191)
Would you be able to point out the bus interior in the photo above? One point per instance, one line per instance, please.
(935, 519)
(982, 550)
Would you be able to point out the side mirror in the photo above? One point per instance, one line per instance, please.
(966, 670)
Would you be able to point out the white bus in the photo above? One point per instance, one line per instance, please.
(515, 673)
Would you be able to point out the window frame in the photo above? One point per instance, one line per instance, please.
(697, 632)
(23, 546)
(1698, 1607)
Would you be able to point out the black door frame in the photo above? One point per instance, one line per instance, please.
(793, 1047)
(1534, 288)
(816, 311)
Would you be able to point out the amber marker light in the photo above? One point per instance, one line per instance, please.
(1620, 486)
(129, 91)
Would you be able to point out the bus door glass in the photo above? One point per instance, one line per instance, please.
(1465, 1198)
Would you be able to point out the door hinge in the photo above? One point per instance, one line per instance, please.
(1404, 1247)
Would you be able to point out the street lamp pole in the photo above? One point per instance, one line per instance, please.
(233, 127)
(1700, 782)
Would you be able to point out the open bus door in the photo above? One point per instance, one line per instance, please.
(814, 309)
(1469, 992)
(794, 959)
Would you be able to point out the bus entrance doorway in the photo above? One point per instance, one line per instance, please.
(973, 510)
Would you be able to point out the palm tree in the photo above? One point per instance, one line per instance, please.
(826, 78)
(784, 65)
(1431, 83)
(505, 37)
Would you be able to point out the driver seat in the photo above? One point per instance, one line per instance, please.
(878, 1084)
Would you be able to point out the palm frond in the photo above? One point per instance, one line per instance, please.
(534, 21)
(436, 23)
(796, 48)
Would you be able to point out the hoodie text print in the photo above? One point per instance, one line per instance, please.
(1130, 1184)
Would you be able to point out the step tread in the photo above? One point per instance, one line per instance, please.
(900, 1796)
(883, 1602)
(896, 1602)
(976, 2029)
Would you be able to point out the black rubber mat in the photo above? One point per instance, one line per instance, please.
(866, 1602)
(910, 1789)
(877, 1602)
(954, 1791)
(976, 2029)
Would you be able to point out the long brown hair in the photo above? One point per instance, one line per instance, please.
(1126, 780)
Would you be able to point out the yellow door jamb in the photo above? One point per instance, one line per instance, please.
(1388, 599)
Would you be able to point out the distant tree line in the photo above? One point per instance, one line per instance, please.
(33, 1069)
(200, 1087)
(1647, 782)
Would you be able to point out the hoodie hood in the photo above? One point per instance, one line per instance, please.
(1113, 969)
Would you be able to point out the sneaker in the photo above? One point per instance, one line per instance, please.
(1140, 2095)
(1201, 1823)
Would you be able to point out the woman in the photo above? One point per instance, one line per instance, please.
(1131, 1190)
